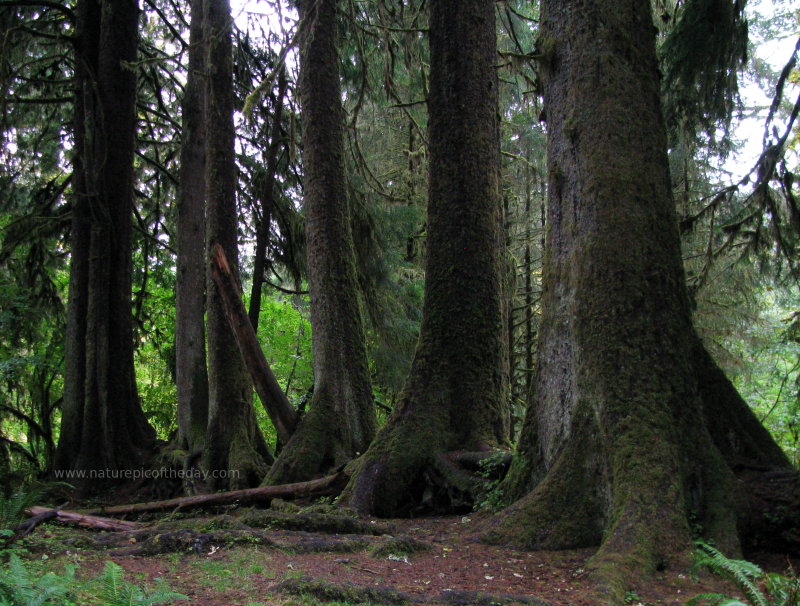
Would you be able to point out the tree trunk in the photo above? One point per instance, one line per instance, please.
(267, 200)
(455, 396)
(341, 420)
(104, 426)
(275, 402)
(190, 335)
(616, 450)
(235, 454)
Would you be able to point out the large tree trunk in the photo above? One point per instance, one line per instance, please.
(190, 335)
(341, 420)
(618, 446)
(235, 454)
(104, 427)
(456, 393)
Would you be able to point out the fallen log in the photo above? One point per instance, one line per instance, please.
(80, 519)
(275, 402)
(329, 485)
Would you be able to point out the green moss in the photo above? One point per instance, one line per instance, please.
(545, 50)
(401, 546)
(343, 592)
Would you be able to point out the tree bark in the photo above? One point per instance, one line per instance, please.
(81, 519)
(617, 448)
(104, 426)
(456, 394)
(341, 420)
(190, 335)
(267, 200)
(280, 412)
(234, 441)
(328, 485)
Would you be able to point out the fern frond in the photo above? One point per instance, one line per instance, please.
(12, 509)
(116, 591)
(20, 587)
(741, 572)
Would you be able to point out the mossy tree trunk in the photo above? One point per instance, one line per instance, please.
(619, 446)
(190, 335)
(235, 453)
(103, 424)
(341, 419)
(456, 394)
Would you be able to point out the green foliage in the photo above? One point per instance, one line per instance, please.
(21, 585)
(700, 56)
(491, 498)
(114, 590)
(759, 588)
(12, 508)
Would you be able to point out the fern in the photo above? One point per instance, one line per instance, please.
(114, 590)
(778, 590)
(12, 509)
(743, 573)
(20, 587)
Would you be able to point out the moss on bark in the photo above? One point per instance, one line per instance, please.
(632, 432)
(341, 420)
(456, 394)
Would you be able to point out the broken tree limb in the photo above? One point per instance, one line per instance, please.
(329, 485)
(81, 519)
(275, 402)
(28, 526)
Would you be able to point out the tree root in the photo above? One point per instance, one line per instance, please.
(304, 533)
(349, 592)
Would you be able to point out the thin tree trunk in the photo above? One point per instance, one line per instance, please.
(341, 420)
(234, 442)
(275, 402)
(267, 201)
(456, 393)
(190, 335)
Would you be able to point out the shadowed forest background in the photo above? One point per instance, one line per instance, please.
(457, 255)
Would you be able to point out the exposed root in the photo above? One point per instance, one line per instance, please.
(348, 592)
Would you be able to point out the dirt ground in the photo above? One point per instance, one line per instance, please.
(453, 568)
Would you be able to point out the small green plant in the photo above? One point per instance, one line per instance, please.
(631, 597)
(22, 587)
(492, 470)
(12, 509)
(114, 590)
(759, 588)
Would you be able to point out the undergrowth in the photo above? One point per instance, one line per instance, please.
(20, 585)
(759, 588)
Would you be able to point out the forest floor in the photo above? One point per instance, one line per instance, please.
(250, 557)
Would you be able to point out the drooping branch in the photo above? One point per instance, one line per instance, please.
(273, 398)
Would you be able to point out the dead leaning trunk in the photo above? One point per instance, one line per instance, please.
(341, 419)
(275, 402)
(456, 396)
(620, 446)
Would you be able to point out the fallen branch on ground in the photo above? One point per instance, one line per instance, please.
(329, 485)
(42, 514)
